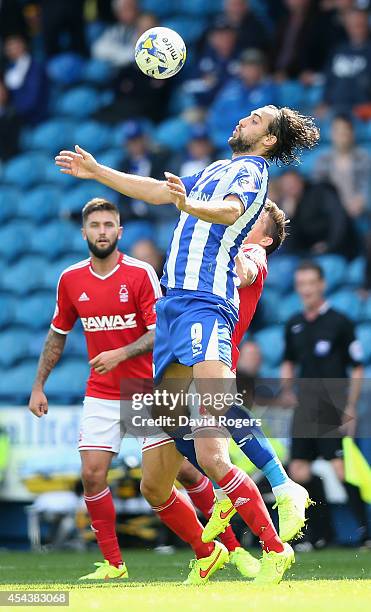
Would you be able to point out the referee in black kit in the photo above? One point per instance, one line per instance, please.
(321, 352)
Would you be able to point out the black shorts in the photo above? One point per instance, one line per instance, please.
(309, 449)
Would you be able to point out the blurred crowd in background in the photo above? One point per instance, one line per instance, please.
(67, 75)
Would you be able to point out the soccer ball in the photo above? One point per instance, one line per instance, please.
(160, 53)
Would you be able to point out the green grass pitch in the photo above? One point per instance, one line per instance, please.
(337, 579)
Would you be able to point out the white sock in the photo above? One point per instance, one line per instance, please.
(220, 495)
(286, 487)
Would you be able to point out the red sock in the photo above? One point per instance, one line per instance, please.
(180, 516)
(202, 496)
(246, 498)
(103, 522)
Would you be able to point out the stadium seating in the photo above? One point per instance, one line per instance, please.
(97, 71)
(7, 306)
(365, 313)
(16, 382)
(15, 239)
(35, 312)
(79, 103)
(173, 133)
(161, 9)
(14, 345)
(111, 157)
(92, 136)
(53, 239)
(41, 204)
(334, 268)
(288, 307)
(271, 343)
(26, 170)
(66, 68)
(24, 276)
(281, 272)
(51, 136)
(198, 7)
(291, 93)
(269, 306)
(68, 380)
(76, 197)
(134, 231)
(355, 272)
(9, 200)
(347, 302)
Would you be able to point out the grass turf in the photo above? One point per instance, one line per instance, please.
(337, 579)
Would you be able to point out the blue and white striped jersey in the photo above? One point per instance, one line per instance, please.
(201, 254)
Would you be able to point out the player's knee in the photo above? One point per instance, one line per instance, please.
(153, 492)
(214, 465)
(188, 476)
(300, 471)
(94, 478)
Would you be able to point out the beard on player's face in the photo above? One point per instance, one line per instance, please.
(243, 144)
(102, 251)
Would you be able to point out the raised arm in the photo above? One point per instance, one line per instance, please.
(81, 164)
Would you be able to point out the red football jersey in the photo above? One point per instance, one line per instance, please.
(115, 310)
(249, 297)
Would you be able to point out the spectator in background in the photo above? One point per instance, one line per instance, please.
(250, 360)
(300, 45)
(318, 222)
(252, 89)
(26, 80)
(9, 126)
(250, 31)
(147, 251)
(347, 167)
(199, 152)
(63, 26)
(11, 19)
(348, 74)
(215, 65)
(116, 44)
(141, 159)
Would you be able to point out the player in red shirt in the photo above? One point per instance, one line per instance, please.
(114, 297)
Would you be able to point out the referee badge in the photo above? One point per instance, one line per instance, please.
(322, 348)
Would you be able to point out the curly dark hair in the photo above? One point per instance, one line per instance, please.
(294, 133)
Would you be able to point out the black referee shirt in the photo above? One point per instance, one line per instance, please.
(324, 347)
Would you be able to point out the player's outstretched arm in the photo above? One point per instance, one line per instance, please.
(81, 164)
(51, 353)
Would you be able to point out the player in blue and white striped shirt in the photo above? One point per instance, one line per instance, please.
(195, 319)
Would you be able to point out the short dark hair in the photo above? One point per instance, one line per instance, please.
(294, 132)
(275, 225)
(343, 117)
(98, 204)
(308, 264)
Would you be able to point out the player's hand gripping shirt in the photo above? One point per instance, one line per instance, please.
(201, 254)
(115, 310)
